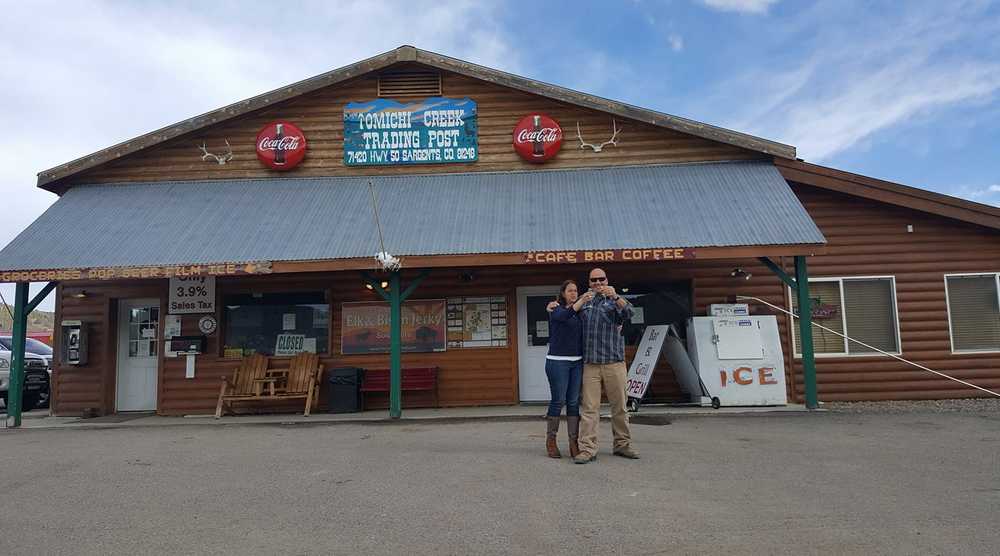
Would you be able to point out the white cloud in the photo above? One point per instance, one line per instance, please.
(847, 83)
(742, 6)
(676, 42)
(989, 195)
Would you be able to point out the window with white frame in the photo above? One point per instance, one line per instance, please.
(973, 311)
(863, 308)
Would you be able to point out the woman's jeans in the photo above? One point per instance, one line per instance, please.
(565, 378)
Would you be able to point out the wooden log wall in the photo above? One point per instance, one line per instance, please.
(468, 377)
(320, 116)
(867, 238)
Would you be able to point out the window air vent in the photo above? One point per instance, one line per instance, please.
(409, 84)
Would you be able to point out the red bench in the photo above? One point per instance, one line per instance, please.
(414, 379)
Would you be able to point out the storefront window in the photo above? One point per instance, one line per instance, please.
(974, 312)
(861, 308)
(276, 323)
(667, 303)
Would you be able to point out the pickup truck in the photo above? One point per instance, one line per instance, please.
(36, 379)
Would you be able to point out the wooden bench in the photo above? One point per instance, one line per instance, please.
(414, 379)
(253, 381)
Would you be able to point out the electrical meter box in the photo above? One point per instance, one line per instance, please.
(187, 345)
(739, 359)
(73, 342)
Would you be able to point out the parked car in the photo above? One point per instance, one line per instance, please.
(31, 345)
(37, 372)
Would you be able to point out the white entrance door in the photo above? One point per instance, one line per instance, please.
(138, 340)
(533, 341)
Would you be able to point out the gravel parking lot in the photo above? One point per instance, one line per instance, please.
(853, 480)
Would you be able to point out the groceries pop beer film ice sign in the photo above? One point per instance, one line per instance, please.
(435, 130)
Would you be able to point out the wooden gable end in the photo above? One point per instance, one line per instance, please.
(319, 114)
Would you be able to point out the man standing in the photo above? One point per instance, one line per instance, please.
(602, 315)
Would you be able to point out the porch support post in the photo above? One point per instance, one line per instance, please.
(805, 332)
(395, 296)
(777, 270)
(18, 335)
(40, 297)
(396, 349)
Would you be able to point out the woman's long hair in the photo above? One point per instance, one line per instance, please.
(562, 292)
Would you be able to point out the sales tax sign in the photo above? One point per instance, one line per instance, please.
(194, 294)
(365, 326)
(435, 130)
(644, 362)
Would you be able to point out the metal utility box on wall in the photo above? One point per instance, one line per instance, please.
(73, 342)
(187, 345)
(739, 359)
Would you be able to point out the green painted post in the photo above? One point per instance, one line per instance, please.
(18, 334)
(396, 366)
(805, 332)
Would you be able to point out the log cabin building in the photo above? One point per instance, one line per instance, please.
(253, 226)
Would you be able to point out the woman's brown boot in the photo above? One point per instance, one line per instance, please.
(550, 438)
(573, 429)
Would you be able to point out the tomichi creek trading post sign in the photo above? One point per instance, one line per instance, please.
(431, 131)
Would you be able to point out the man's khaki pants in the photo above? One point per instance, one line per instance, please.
(612, 376)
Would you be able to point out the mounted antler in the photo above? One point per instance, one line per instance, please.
(597, 148)
(220, 158)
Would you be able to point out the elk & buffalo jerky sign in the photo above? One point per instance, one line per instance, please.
(365, 326)
(135, 272)
(435, 130)
(608, 255)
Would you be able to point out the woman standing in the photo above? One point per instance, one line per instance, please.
(564, 366)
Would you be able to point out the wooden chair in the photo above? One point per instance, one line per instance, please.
(253, 381)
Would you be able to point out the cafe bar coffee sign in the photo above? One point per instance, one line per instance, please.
(435, 130)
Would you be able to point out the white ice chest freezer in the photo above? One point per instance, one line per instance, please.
(737, 358)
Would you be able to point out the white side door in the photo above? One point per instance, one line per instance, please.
(533, 341)
(138, 341)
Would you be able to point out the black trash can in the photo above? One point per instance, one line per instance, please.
(344, 390)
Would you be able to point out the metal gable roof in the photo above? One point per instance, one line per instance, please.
(293, 219)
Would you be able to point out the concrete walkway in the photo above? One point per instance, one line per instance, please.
(40, 419)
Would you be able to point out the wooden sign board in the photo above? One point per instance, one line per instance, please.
(135, 272)
(608, 256)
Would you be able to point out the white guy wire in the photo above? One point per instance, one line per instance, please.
(917, 365)
(378, 225)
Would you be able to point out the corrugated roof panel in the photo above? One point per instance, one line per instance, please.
(287, 219)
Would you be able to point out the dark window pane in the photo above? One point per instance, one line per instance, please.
(255, 321)
(975, 317)
(666, 303)
(871, 314)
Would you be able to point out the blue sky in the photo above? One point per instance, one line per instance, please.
(904, 91)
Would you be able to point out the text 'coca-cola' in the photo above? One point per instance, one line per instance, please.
(281, 145)
(537, 138)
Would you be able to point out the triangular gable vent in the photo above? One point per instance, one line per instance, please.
(409, 84)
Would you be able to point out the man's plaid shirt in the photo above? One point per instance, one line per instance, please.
(602, 338)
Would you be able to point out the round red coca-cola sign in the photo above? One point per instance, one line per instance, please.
(537, 137)
(281, 145)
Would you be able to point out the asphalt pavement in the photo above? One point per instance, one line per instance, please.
(823, 483)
